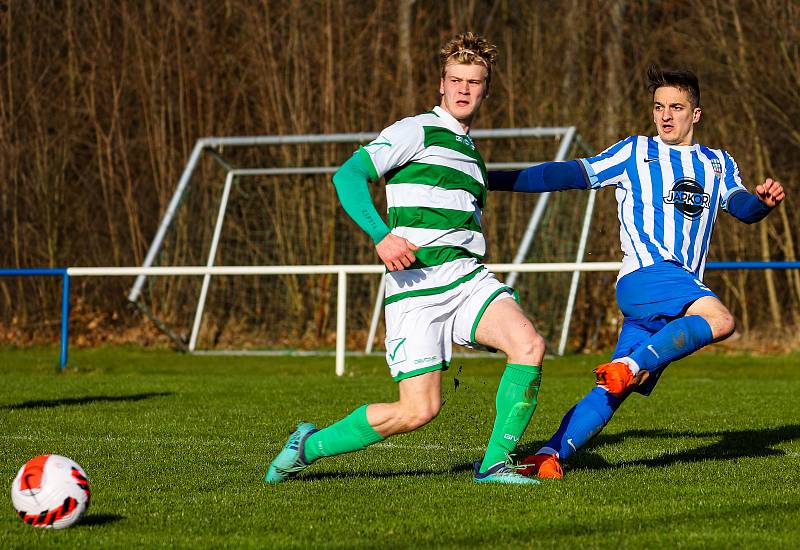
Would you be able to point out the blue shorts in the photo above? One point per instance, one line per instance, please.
(649, 298)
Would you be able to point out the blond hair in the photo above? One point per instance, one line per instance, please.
(469, 49)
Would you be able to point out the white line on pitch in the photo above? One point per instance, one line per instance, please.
(108, 438)
(214, 442)
(390, 445)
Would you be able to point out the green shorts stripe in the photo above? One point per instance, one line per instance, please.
(444, 365)
(488, 301)
(431, 291)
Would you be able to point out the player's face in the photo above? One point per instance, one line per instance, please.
(674, 115)
(463, 89)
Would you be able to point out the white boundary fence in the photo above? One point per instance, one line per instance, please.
(340, 270)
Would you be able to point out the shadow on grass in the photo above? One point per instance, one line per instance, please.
(50, 403)
(732, 444)
(100, 519)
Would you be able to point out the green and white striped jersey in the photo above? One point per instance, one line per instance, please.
(435, 189)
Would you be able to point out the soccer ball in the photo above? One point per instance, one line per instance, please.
(50, 491)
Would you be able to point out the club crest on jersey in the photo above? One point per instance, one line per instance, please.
(688, 197)
(717, 166)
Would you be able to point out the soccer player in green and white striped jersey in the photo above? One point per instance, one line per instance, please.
(437, 290)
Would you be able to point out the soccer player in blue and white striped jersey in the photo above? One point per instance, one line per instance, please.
(669, 189)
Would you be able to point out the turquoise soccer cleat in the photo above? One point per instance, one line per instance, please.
(289, 461)
(502, 472)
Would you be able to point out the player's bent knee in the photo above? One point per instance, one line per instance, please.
(529, 349)
(723, 326)
(721, 323)
(538, 345)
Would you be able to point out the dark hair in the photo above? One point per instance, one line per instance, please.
(683, 79)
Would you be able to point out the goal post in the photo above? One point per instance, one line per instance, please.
(231, 184)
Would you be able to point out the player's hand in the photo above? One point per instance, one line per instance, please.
(770, 192)
(396, 252)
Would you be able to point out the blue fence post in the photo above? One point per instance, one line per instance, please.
(17, 272)
(64, 320)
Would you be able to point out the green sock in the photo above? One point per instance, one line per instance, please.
(351, 433)
(515, 403)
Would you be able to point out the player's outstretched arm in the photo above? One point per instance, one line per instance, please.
(396, 252)
(750, 208)
(544, 177)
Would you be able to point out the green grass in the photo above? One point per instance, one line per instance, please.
(176, 448)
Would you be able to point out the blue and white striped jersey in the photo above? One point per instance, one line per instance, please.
(668, 197)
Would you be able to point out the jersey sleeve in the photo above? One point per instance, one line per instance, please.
(608, 168)
(731, 180)
(395, 146)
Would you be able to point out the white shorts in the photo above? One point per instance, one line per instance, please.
(421, 330)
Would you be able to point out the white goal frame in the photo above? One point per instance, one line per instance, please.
(214, 146)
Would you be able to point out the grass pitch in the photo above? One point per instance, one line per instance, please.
(176, 448)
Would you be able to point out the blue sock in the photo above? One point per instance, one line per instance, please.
(676, 340)
(583, 421)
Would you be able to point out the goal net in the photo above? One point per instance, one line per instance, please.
(269, 201)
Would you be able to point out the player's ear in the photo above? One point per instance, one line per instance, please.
(441, 86)
(698, 112)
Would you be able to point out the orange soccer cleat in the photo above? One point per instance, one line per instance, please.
(543, 466)
(617, 377)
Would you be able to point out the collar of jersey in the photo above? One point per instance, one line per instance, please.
(691, 147)
(449, 120)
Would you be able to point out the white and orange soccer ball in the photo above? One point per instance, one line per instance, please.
(50, 491)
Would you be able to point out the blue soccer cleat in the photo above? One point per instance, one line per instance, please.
(290, 461)
(502, 472)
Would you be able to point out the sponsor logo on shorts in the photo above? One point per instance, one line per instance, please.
(396, 351)
(423, 360)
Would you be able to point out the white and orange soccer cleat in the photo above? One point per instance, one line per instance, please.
(542, 466)
(617, 378)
